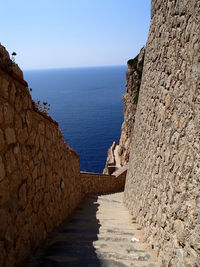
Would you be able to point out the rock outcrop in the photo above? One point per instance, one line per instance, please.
(9, 65)
(118, 153)
(130, 99)
(162, 186)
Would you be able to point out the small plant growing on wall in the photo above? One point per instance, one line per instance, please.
(13, 56)
(133, 220)
(43, 107)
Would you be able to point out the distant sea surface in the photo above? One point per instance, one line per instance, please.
(87, 103)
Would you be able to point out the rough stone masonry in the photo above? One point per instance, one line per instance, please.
(39, 174)
(40, 180)
(163, 182)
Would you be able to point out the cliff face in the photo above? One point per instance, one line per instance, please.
(130, 99)
(118, 153)
(7, 64)
(162, 185)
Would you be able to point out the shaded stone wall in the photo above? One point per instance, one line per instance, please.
(163, 187)
(39, 174)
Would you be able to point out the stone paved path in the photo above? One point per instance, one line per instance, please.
(98, 234)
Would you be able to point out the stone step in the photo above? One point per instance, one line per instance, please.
(99, 234)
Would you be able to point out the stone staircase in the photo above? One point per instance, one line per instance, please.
(100, 233)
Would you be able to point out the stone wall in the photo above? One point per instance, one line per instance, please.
(39, 174)
(163, 187)
(95, 183)
(111, 163)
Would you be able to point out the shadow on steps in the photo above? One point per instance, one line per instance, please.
(72, 243)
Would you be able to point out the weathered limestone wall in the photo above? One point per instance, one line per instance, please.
(95, 183)
(163, 187)
(39, 174)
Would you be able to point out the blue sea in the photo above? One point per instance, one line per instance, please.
(87, 103)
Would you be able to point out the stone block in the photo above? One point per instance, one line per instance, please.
(10, 161)
(10, 136)
(5, 218)
(12, 93)
(18, 103)
(4, 192)
(2, 140)
(4, 88)
(2, 170)
(167, 101)
(35, 173)
(41, 141)
(8, 114)
(18, 122)
(15, 180)
(22, 196)
(26, 101)
(29, 119)
(22, 135)
(1, 114)
(41, 128)
(2, 253)
(31, 139)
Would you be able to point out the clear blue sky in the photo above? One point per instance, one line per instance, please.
(70, 33)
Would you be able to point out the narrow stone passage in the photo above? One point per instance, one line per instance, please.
(100, 233)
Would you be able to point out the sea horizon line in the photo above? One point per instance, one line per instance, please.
(74, 67)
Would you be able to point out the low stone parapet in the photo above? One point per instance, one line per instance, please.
(95, 183)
